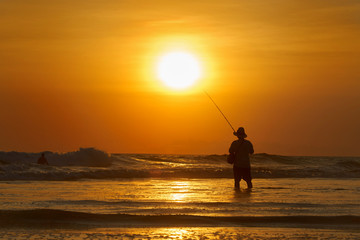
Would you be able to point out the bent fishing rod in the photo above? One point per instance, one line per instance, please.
(220, 111)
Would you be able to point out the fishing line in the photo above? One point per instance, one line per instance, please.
(219, 110)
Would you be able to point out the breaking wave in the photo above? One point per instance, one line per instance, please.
(91, 163)
(90, 157)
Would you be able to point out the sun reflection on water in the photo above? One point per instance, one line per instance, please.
(179, 191)
(177, 233)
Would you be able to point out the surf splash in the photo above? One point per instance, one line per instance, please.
(89, 157)
(91, 163)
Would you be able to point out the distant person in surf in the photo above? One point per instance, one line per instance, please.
(241, 149)
(42, 160)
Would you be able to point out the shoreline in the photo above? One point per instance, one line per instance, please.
(182, 233)
(51, 218)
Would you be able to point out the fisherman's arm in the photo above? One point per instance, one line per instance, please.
(232, 148)
(251, 148)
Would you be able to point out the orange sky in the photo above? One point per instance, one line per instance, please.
(81, 74)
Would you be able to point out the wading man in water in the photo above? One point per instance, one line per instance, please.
(241, 149)
(42, 160)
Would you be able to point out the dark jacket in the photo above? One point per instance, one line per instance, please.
(241, 149)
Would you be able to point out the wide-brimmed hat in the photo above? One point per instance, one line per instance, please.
(240, 132)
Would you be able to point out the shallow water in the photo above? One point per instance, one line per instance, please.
(91, 195)
(203, 197)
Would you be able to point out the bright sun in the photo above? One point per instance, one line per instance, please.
(178, 70)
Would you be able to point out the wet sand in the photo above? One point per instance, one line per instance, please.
(182, 233)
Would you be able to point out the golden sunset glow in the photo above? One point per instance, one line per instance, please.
(127, 76)
(178, 70)
(158, 119)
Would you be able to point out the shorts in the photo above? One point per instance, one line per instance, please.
(242, 173)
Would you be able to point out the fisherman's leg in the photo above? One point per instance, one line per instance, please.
(249, 183)
(237, 177)
(246, 172)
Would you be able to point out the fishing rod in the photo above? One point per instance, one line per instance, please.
(219, 110)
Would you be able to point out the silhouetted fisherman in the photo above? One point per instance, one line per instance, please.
(241, 148)
(42, 160)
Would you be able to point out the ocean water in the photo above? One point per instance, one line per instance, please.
(95, 195)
